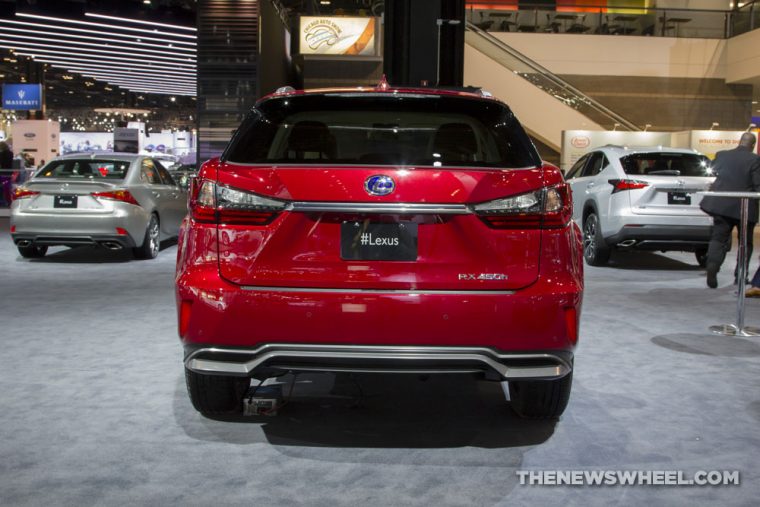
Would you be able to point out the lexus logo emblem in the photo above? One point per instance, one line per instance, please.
(379, 185)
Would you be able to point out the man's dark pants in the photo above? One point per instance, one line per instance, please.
(720, 241)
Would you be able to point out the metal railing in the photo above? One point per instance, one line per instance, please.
(618, 20)
(745, 19)
(544, 79)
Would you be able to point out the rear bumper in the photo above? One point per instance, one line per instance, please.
(110, 241)
(662, 237)
(81, 228)
(378, 359)
(233, 330)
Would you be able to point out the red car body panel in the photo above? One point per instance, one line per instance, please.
(303, 250)
(534, 318)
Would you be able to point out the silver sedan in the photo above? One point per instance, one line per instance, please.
(113, 200)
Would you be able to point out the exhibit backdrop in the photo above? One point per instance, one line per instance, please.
(576, 143)
(181, 144)
(37, 138)
(86, 141)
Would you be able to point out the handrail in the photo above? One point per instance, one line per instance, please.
(725, 22)
(591, 8)
(555, 80)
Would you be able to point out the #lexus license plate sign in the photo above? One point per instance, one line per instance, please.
(367, 241)
(679, 198)
(65, 201)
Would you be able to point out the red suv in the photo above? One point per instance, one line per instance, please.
(387, 230)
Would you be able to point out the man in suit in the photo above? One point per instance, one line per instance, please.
(736, 170)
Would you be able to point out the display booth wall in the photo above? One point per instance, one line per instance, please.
(576, 143)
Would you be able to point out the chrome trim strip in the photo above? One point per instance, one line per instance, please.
(380, 207)
(394, 292)
(260, 355)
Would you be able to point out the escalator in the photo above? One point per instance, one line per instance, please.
(545, 103)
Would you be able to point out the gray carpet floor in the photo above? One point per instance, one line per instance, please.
(93, 409)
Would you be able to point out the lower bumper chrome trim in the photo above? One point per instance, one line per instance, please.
(364, 358)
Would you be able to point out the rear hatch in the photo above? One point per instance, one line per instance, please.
(377, 191)
(73, 186)
(670, 182)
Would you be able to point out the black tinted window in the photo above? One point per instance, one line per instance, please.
(576, 169)
(382, 129)
(597, 163)
(149, 173)
(165, 176)
(667, 164)
(89, 169)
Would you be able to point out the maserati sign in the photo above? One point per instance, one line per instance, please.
(22, 97)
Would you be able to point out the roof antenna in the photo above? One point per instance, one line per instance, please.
(383, 84)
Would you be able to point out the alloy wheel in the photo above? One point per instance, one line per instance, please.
(589, 238)
(153, 236)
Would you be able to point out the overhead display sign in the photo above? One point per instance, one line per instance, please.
(22, 97)
(126, 140)
(337, 35)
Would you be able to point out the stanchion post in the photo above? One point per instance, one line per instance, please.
(739, 329)
(741, 271)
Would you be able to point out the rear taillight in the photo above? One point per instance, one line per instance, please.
(545, 208)
(117, 195)
(621, 185)
(221, 204)
(22, 193)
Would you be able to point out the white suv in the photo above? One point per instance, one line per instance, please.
(641, 198)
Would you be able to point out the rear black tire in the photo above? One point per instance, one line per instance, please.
(216, 394)
(595, 249)
(151, 241)
(701, 256)
(32, 251)
(540, 399)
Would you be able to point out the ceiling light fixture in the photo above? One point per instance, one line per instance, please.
(147, 83)
(82, 57)
(137, 80)
(95, 32)
(79, 63)
(160, 92)
(102, 25)
(165, 47)
(133, 75)
(31, 46)
(76, 44)
(139, 21)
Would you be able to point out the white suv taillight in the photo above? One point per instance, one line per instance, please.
(544, 208)
(210, 202)
(621, 185)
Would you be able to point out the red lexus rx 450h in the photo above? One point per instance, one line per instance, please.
(390, 230)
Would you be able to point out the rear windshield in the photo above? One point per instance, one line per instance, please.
(382, 129)
(85, 169)
(667, 164)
